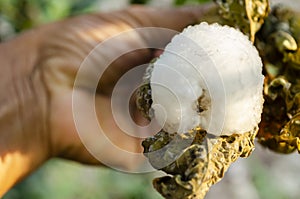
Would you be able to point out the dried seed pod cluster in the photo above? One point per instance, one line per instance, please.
(247, 15)
(206, 91)
(278, 43)
(195, 159)
(201, 160)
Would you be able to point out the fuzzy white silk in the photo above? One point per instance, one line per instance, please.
(217, 66)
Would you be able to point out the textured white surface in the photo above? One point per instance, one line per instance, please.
(218, 64)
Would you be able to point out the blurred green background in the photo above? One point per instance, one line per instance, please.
(60, 179)
(264, 175)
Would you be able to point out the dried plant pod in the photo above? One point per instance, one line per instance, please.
(247, 15)
(196, 156)
(202, 158)
(278, 43)
(143, 94)
(199, 165)
(280, 126)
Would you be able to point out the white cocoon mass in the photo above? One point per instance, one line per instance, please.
(208, 76)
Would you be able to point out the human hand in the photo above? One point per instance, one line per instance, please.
(39, 69)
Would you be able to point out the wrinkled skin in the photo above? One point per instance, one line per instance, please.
(38, 69)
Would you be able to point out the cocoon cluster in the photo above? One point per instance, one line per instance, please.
(208, 76)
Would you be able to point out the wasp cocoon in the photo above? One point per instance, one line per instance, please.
(208, 76)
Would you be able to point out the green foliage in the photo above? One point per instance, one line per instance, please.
(67, 180)
(24, 14)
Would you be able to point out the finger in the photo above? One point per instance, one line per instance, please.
(91, 136)
(138, 49)
(67, 43)
(171, 18)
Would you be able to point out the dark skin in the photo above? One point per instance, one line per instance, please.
(38, 70)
